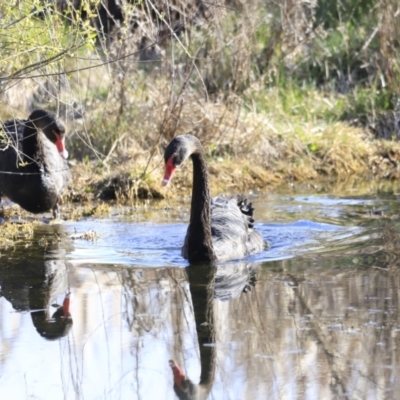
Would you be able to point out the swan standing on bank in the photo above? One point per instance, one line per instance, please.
(220, 229)
(33, 167)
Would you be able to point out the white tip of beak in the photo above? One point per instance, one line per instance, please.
(64, 154)
(164, 182)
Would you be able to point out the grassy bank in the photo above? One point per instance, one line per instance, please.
(277, 92)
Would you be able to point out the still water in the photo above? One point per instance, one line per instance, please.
(316, 315)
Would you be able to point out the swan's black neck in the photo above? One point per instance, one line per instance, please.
(200, 247)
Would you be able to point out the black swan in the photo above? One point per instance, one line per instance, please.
(184, 388)
(33, 166)
(220, 229)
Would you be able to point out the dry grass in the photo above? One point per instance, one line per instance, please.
(339, 153)
(236, 80)
(12, 233)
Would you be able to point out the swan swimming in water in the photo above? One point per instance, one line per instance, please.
(220, 229)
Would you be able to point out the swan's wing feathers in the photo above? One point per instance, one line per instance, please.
(247, 209)
(11, 133)
(11, 136)
(232, 228)
(255, 242)
(13, 126)
(228, 229)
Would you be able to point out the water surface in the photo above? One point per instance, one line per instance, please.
(315, 315)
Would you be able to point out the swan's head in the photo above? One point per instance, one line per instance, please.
(179, 375)
(52, 127)
(176, 153)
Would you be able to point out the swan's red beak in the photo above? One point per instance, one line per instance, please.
(169, 171)
(179, 375)
(60, 144)
(65, 306)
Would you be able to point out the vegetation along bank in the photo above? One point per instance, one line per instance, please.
(277, 91)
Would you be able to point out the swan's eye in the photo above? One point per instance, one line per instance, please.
(175, 160)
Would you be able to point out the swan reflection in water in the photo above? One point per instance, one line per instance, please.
(31, 279)
(208, 283)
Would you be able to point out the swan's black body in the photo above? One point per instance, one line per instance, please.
(220, 229)
(33, 169)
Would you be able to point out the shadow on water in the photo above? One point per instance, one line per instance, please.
(314, 316)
